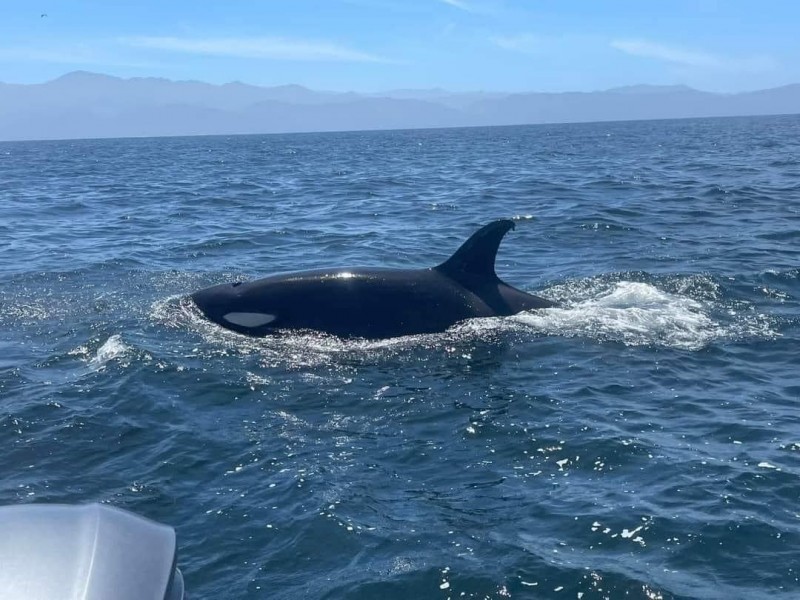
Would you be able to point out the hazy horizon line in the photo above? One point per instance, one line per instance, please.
(429, 89)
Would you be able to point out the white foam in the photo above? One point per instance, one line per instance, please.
(633, 313)
(112, 349)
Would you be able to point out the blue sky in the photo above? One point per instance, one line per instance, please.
(375, 45)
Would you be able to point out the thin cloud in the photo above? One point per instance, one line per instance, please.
(268, 48)
(524, 42)
(690, 57)
(459, 4)
(476, 7)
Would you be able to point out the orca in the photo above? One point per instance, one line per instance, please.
(374, 303)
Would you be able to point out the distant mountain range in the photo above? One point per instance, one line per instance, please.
(90, 105)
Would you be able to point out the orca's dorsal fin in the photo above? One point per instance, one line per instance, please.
(476, 256)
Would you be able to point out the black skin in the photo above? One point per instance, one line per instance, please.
(377, 303)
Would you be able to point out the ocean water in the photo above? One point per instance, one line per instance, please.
(640, 441)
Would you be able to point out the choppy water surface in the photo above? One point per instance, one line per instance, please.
(641, 441)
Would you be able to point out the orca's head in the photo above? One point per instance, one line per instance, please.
(237, 307)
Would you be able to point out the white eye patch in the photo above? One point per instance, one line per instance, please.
(249, 319)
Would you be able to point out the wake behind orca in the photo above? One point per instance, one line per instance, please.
(374, 303)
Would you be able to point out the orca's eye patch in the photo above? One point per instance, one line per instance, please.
(249, 319)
